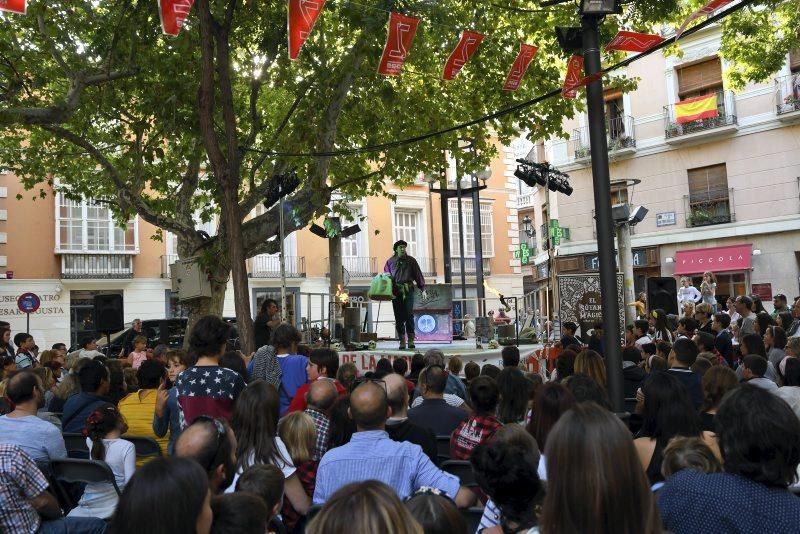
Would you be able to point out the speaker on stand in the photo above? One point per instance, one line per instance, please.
(108, 316)
(662, 293)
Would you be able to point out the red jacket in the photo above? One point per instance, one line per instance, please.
(299, 403)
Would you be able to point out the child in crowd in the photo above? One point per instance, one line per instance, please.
(687, 453)
(569, 338)
(24, 357)
(139, 353)
(167, 414)
(265, 481)
(323, 364)
(299, 434)
(640, 331)
(104, 427)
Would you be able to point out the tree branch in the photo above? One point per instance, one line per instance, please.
(51, 45)
(206, 92)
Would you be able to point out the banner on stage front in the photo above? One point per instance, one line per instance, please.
(303, 15)
(466, 47)
(520, 66)
(580, 302)
(14, 6)
(399, 38)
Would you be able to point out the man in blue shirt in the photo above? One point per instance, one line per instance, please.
(759, 440)
(683, 355)
(95, 381)
(372, 455)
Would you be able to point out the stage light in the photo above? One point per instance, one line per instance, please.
(637, 215)
(600, 7)
(570, 38)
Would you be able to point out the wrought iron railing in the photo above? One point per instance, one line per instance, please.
(726, 116)
(620, 134)
(100, 266)
(787, 93)
(468, 264)
(166, 261)
(269, 266)
(426, 265)
(358, 266)
(709, 208)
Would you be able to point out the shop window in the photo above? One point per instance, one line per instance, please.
(709, 196)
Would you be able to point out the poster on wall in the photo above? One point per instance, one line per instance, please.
(433, 315)
(580, 301)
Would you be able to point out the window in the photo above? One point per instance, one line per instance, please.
(700, 79)
(709, 198)
(615, 113)
(406, 224)
(619, 194)
(84, 226)
(469, 239)
(351, 246)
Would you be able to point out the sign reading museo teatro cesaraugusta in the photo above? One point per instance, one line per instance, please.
(50, 305)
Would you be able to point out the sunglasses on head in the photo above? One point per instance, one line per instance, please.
(209, 462)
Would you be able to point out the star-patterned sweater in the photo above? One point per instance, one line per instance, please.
(207, 390)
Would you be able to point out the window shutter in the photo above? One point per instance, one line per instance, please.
(794, 60)
(611, 94)
(708, 183)
(703, 76)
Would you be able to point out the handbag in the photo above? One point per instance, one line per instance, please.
(381, 288)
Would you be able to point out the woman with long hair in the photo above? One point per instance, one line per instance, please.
(342, 425)
(255, 424)
(762, 322)
(593, 365)
(708, 289)
(668, 412)
(784, 320)
(5, 342)
(103, 429)
(552, 401)
(658, 321)
(514, 391)
(596, 484)
(299, 434)
(167, 413)
(775, 343)
(166, 496)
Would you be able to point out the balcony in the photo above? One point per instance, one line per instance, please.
(269, 266)
(787, 97)
(166, 261)
(468, 264)
(357, 266)
(620, 138)
(96, 266)
(702, 129)
(709, 208)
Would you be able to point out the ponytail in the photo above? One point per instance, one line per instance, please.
(98, 425)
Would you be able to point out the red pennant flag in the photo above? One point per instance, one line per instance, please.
(707, 9)
(173, 13)
(520, 66)
(302, 16)
(633, 42)
(402, 29)
(15, 6)
(466, 47)
(573, 78)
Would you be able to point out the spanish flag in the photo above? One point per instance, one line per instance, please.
(699, 107)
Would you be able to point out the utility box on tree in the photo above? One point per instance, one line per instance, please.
(189, 280)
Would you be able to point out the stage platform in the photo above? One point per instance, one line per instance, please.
(465, 349)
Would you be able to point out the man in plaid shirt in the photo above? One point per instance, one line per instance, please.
(321, 396)
(482, 425)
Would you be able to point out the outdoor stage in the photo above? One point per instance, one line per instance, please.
(365, 360)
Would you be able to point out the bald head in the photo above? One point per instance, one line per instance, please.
(201, 442)
(369, 407)
(397, 394)
(321, 395)
(195, 441)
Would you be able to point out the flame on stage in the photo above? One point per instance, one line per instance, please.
(342, 296)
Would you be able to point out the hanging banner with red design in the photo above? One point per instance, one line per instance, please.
(573, 78)
(520, 66)
(402, 29)
(633, 42)
(15, 6)
(302, 16)
(466, 47)
(173, 13)
(707, 9)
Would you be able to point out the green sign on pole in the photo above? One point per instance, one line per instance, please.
(523, 254)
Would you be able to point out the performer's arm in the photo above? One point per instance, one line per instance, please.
(418, 278)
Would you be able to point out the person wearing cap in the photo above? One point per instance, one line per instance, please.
(404, 271)
(781, 304)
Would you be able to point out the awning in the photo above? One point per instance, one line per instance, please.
(715, 259)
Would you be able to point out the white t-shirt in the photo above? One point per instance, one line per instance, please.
(100, 498)
(642, 341)
(284, 464)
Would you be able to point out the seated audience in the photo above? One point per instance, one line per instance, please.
(436, 513)
(166, 417)
(471, 371)
(416, 366)
(139, 352)
(515, 392)
(265, 481)
(398, 426)
(681, 357)
(239, 513)
(717, 381)
(667, 412)
(401, 465)
(591, 364)
(95, 381)
(211, 443)
(255, 424)
(166, 495)
(285, 339)
(104, 428)
(585, 389)
(361, 507)
(568, 338)
(454, 365)
(552, 401)
(658, 321)
(234, 360)
(759, 440)
(347, 375)
(689, 453)
(790, 392)
(482, 423)
(591, 461)
(319, 401)
(632, 373)
(703, 314)
(299, 435)
(595, 342)
(27, 506)
(41, 440)
(206, 388)
(565, 365)
(754, 369)
(89, 349)
(752, 344)
(264, 366)
(342, 426)
(775, 343)
(490, 370)
(323, 364)
(702, 363)
(640, 332)
(454, 385)
(139, 408)
(510, 356)
(433, 412)
(723, 342)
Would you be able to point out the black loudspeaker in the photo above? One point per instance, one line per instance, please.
(108, 313)
(662, 293)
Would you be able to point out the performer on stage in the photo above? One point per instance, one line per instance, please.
(404, 271)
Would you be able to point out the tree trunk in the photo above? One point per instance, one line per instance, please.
(207, 306)
(241, 282)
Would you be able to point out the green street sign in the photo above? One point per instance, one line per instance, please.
(523, 254)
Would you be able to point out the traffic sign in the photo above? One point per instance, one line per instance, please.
(28, 302)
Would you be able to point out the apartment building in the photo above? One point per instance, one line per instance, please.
(67, 252)
(722, 191)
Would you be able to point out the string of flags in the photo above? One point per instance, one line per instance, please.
(303, 14)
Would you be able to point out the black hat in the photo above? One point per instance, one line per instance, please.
(399, 244)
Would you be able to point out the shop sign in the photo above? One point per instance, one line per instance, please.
(762, 291)
(48, 305)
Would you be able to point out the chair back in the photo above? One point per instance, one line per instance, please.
(83, 471)
(472, 516)
(76, 445)
(463, 470)
(145, 447)
(443, 448)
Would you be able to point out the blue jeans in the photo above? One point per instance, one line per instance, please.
(73, 525)
(403, 306)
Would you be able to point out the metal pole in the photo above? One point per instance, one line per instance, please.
(336, 274)
(448, 266)
(476, 224)
(461, 245)
(430, 225)
(282, 257)
(625, 260)
(602, 205)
